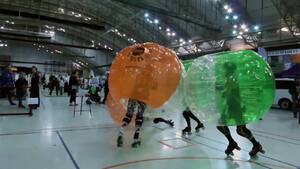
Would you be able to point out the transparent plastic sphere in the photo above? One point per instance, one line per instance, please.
(175, 105)
(187, 63)
(147, 72)
(230, 88)
(116, 109)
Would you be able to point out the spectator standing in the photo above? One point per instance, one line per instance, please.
(34, 88)
(21, 88)
(74, 83)
(61, 84)
(8, 84)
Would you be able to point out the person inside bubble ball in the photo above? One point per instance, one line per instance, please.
(233, 110)
(142, 91)
(188, 114)
(169, 122)
(132, 104)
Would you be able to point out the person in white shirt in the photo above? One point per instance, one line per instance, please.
(61, 84)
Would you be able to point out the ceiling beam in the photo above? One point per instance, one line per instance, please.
(22, 33)
(281, 14)
(168, 13)
(53, 43)
(19, 13)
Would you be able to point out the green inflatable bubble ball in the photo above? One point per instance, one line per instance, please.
(230, 88)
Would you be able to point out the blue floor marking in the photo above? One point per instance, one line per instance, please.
(67, 149)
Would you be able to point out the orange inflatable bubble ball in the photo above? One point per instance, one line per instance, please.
(116, 110)
(296, 58)
(147, 72)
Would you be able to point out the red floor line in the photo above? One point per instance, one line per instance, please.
(166, 144)
(283, 162)
(187, 158)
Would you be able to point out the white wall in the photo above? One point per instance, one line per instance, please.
(26, 52)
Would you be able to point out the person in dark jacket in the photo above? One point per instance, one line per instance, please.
(56, 85)
(297, 83)
(234, 109)
(21, 88)
(44, 81)
(8, 84)
(106, 89)
(73, 85)
(51, 84)
(294, 92)
(188, 115)
(34, 88)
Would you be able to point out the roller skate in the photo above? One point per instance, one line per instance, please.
(198, 127)
(256, 149)
(171, 123)
(120, 141)
(136, 143)
(187, 130)
(231, 147)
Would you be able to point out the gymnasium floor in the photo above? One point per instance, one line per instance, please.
(54, 139)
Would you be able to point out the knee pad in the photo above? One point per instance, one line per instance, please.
(141, 108)
(241, 131)
(127, 119)
(138, 121)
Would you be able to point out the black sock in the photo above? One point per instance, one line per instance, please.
(253, 141)
(187, 119)
(159, 119)
(230, 139)
(225, 130)
(194, 118)
(245, 132)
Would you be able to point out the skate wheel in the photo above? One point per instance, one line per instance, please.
(136, 144)
(229, 154)
(198, 130)
(119, 142)
(183, 133)
(253, 155)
